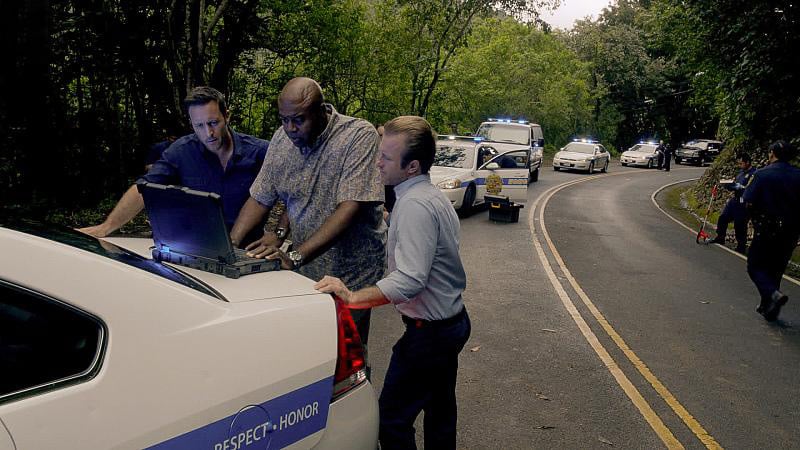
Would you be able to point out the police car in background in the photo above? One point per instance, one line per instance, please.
(644, 154)
(462, 164)
(582, 154)
(506, 135)
(104, 348)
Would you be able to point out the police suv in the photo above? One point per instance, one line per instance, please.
(505, 135)
(101, 347)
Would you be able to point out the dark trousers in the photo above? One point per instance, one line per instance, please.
(667, 161)
(734, 212)
(422, 377)
(769, 254)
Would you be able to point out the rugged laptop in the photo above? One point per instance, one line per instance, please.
(189, 229)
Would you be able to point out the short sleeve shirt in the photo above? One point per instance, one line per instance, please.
(188, 163)
(311, 182)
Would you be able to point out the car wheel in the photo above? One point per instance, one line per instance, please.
(649, 163)
(605, 167)
(591, 168)
(555, 169)
(535, 175)
(469, 199)
(677, 160)
(624, 164)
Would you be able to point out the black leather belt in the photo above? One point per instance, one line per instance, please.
(422, 323)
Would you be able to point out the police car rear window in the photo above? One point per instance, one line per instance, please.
(76, 239)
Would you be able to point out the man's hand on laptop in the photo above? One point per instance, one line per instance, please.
(266, 248)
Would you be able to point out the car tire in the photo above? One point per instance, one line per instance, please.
(605, 167)
(590, 170)
(677, 160)
(650, 163)
(624, 164)
(535, 175)
(555, 169)
(469, 199)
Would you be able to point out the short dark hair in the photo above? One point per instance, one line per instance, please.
(202, 95)
(744, 157)
(420, 140)
(783, 150)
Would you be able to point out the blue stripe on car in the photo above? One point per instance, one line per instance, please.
(273, 424)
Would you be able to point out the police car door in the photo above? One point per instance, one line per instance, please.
(512, 170)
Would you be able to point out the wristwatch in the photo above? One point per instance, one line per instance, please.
(296, 257)
(281, 232)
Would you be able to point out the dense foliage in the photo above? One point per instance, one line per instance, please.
(88, 85)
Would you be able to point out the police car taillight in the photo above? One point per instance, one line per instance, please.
(350, 362)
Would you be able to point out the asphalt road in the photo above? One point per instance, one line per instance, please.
(606, 325)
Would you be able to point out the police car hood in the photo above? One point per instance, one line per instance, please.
(636, 154)
(439, 173)
(258, 286)
(574, 155)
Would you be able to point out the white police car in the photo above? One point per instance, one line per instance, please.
(582, 154)
(462, 165)
(644, 154)
(103, 348)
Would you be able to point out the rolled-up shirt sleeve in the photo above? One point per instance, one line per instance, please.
(164, 170)
(417, 238)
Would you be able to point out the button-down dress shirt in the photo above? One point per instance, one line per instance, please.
(426, 277)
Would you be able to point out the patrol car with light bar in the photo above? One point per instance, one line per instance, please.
(582, 154)
(643, 154)
(103, 347)
(463, 163)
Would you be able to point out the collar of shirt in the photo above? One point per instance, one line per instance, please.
(236, 156)
(403, 187)
(320, 141)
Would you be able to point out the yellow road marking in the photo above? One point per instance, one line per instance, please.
(641, 404)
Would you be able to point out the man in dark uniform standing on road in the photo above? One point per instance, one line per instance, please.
(735, 210)
(425, 281)
(773, 200)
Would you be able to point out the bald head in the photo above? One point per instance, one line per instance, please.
(302, 91)
(302, 111)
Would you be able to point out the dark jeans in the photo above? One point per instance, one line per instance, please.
(422, 377)
(769, 254)
(734, 212)
(361, 318)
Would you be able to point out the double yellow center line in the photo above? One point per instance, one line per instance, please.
(663, 432)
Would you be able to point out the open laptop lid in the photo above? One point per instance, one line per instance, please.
(187, 221)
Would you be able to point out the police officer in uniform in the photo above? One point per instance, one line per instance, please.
(773, 200)
(734, 210)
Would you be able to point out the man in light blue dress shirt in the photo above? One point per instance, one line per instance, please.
(425, 281)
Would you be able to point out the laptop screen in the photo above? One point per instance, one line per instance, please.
(186, 221)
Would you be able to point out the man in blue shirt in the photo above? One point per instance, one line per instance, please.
(425, 281)
(735, 210)
(773, 200)
(213, 159)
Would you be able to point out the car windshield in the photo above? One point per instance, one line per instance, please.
(695, 144)
(647, 148)
(580, 147)
(88, 243)
(499, 132)
(454, 154)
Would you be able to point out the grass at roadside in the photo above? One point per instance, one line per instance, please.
(679, 202)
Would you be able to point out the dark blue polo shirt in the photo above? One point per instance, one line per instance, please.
(775, 192)
(188, 163)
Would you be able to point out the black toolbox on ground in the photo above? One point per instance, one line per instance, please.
(501, 209)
